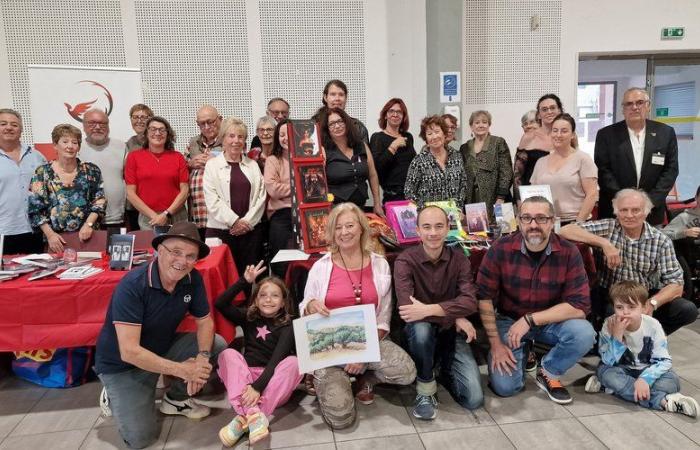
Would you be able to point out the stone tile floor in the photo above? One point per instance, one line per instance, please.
(32, 417)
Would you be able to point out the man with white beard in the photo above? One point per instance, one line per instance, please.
(539, 287)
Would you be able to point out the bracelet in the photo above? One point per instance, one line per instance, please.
(204, 353)
(529, 320)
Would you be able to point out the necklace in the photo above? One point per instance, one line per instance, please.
(356, 288)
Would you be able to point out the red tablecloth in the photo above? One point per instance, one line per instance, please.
(54, 313)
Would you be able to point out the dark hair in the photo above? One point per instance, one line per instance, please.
(284, 316)
(170, 140)
(382, 114)
(277, 149)
(697, 193)
(451, 117)
(629, 292)
(430, 121)
(554, 97)
(567, 117)
(336, 83)
(351, 132)
(537, 199)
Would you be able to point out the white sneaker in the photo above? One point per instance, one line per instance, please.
(683, 404)
(593, 385)
(104, 403)
(188, 408)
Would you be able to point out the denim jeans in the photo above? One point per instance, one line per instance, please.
(428, 345)
(621, 380)
(132, 393)
(571, 339)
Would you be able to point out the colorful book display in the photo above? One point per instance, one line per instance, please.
(310, 205)
(477, 218)
(453, 215)
(402, 216)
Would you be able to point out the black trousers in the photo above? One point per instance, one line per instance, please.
(280, 237)
(246, 249)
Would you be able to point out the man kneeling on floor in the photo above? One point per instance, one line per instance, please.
(539, 286)
(138, 340)
(435, 293)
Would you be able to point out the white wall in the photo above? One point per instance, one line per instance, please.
(597, 27)
(394, 56)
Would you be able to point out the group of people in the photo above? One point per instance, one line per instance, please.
(531, 286)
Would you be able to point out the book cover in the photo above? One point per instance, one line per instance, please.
(122, 251)
(505, 217)
(477, 218)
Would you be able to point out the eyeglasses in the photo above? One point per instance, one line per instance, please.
(153, 130)
(395, 112)
(451, 127)
(207, 123)
(94, 124)
(143, 118)
(336, 124)
(545, 109)
(539, 219)
(266, 130)
(278, 113)
(177, 253)
(638, 104)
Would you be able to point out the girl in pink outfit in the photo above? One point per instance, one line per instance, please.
(266, 375)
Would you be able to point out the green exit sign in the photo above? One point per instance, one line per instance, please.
(661, 112)
(673, 33)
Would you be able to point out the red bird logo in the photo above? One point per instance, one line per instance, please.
(77, 111)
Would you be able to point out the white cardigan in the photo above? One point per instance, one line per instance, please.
(320, 276)
(217, 192)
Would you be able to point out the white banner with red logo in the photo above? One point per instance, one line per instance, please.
(62, 94)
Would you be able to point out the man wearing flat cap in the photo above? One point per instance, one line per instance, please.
(139, 341)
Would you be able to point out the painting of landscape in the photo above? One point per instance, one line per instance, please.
(348, 335)
(337, 335)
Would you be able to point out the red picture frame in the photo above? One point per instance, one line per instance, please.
(314, 219)
(310, 182)
(304, 140)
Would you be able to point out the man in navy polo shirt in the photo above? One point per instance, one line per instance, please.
(139, 341)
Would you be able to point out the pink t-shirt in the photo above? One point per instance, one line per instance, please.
(565, 183)
(340, 291)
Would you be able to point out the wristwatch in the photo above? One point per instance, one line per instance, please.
(167, 214)
(654, 303)
(204, 353)
(90, 224)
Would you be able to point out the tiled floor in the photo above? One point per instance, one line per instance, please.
(36, 418)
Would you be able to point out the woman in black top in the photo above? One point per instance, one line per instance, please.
(392, 149)
(349, 163)
(266, 375)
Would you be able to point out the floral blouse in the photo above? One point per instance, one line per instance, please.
(65, 208)
(428, 182)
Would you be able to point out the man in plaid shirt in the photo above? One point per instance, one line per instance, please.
(539, 287)
(634, 250)
(201, 149)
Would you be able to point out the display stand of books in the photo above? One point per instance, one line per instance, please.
(310, 205)
(121, 254)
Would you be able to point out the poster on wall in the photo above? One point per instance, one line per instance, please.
(62, 94)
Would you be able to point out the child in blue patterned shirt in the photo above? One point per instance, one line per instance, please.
(635, 363)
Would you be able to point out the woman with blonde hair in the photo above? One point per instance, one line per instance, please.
(350, 274)
(234, 191)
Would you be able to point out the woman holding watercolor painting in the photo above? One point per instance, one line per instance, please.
(349, 274)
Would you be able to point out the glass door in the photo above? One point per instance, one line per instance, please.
(675, 100)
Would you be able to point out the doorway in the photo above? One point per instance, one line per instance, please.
(673, 83)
